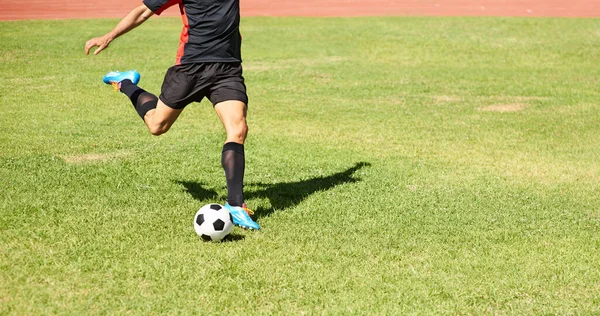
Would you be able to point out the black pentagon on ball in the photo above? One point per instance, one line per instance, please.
(206, 237)
(215, 207)
(219, 225)
(200, 219)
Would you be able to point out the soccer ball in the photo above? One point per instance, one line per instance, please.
(213, 222)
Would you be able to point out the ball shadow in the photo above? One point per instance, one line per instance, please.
(233, 237)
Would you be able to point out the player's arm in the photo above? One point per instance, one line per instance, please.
(133, 19)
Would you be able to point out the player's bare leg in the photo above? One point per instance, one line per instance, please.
(157, 116)
(233, 116)
(159, 120)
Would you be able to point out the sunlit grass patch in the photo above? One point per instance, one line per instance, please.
(396, 165)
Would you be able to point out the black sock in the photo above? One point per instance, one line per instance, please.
(233, 162)
(142, 101)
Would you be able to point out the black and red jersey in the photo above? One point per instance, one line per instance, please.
(210, 29)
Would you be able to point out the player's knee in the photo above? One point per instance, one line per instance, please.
(243, 131)
(238, 134)
(156, 132)
(158, 129)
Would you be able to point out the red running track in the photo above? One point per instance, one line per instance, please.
(67, 9)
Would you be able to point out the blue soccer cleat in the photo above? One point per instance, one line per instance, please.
(114, 78)
(240, 216)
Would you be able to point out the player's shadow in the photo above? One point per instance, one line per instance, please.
(289, 194)
(199, 193)
(281, 195)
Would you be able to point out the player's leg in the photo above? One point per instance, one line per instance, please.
(160, 120)
(179, 89)
(228, 95)
(157, 116)
(232, 114)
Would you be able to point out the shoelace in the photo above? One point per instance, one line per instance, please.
(249, 211)
(115, 85)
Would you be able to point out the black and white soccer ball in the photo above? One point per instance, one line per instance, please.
(213, 222)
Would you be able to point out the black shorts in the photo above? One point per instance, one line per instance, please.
(184, 84)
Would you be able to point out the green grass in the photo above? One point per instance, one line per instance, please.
(397, 166)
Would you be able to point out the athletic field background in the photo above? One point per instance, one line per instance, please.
(61, 9)
(397, 165)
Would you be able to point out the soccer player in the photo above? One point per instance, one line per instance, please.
(208, 64)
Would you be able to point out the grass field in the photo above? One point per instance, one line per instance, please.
(396, 165)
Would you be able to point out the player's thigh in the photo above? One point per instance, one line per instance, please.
(229, 97)
(232, 113)
(164, 114)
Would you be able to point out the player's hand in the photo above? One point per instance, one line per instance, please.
(101, 42)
